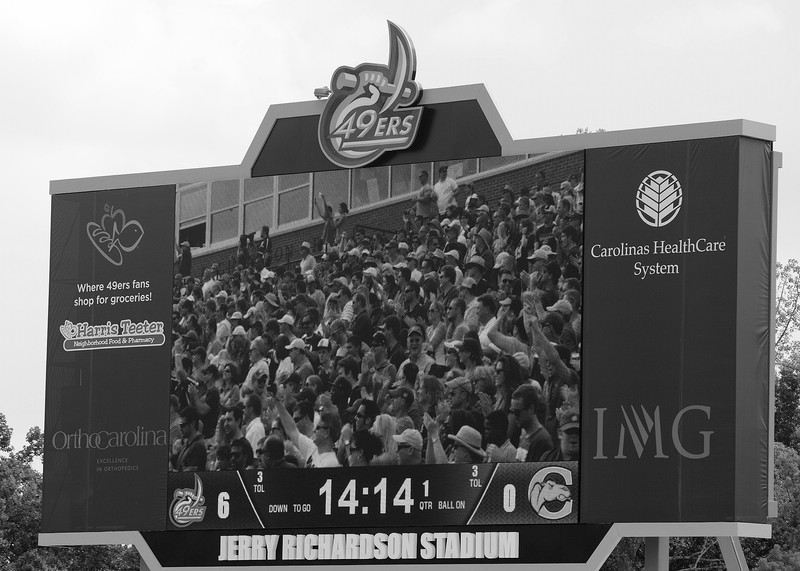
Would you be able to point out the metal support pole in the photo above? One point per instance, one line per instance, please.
(656, 553)
(732, 553)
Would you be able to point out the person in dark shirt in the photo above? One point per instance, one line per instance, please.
(362, 325)
(189, 453)
(569, 429)
(534, 440)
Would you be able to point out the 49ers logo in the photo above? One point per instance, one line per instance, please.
(368, 112)
(187, 505)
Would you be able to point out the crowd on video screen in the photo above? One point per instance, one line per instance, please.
(455, 338)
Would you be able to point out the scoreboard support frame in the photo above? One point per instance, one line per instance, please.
(656, 536)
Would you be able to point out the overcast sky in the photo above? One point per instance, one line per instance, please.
(97, 88)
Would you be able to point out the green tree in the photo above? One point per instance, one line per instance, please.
(779, 560)
(20, 518)
(787, 315)
(787, 407)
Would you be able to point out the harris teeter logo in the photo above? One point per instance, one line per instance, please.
(123, 335)
(659, 198)
(369, 111)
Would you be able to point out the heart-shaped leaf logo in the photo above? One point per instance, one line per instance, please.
(68, 330)
(114, 234)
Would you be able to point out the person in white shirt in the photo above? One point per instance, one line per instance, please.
(307, 262)
(445, 189)
(254, 432)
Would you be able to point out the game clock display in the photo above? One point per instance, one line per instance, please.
(452, 494)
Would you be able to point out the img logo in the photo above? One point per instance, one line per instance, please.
(659, 198)
(369, 110)
(114, 234)
(187, 505)
(549, 492)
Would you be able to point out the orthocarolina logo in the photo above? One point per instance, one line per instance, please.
(659, 198)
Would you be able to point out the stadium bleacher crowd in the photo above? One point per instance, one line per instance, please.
(455, 339)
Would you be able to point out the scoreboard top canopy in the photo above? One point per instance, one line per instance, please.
(299, 121)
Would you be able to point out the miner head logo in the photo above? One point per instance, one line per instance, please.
(369, 111)
(549, 492)
(187, 505)
(659, 198)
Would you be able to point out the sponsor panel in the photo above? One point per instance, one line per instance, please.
(108, 360)
(660, 315)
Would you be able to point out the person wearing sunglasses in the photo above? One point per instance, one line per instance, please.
(409, 447)
(534, 439)
(326, 433)
(363, 448)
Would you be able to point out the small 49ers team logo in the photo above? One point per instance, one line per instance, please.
(369, 111)
(187, 505)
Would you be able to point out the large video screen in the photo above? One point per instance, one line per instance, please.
(435, 365)
(414, 361)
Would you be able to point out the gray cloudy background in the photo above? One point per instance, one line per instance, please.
(91, 88)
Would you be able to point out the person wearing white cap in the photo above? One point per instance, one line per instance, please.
(286, 324)
(314, 292)
(452, 258)
(259, 364)
(307, 261)
(297, 353)
(409, 447)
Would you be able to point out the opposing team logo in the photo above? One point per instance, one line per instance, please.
(187, 505)
(659, 198)
(369, 111)
(114, 234)
(549, 492)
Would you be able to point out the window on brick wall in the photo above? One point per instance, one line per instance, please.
(405, 178)
(456, 169)
(258, 203)
(192, 208)
(370, 185)
(293, 204)
(224, 210)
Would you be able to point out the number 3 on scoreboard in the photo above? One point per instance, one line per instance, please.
(223, 506)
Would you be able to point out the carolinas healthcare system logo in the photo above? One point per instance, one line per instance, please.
(114, 234)
(368, 112)
(549, 492)
(187, 505)
(659, 198)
